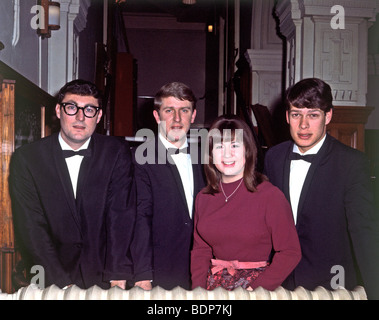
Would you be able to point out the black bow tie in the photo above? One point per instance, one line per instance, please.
(172, 151)
(297, 156)
(71, 153)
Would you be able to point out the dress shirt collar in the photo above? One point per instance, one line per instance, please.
(168, 144)
(65, 146)
(313, 150)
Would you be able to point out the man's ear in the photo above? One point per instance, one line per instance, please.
(99, 116)
(193, 116)
(156, 116)
(58, 111)
(328, 116)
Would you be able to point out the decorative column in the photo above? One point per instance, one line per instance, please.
(63, 46)
(265, 56)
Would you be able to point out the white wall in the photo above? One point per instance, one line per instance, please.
(23, 47)
(49, 62)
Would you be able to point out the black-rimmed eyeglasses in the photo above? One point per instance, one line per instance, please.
(72, 109)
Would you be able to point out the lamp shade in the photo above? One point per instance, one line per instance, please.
(189, 1)
(54, 15)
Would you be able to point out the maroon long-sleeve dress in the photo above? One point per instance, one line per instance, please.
(246, 228)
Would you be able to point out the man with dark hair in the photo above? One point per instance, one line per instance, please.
(73, 197)
(166, 190)
(329, 189)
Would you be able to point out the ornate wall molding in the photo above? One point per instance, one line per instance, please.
(316, 49)
(16, 22)
(266, 68)
(265, 56)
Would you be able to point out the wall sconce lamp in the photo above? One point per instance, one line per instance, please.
(51, 17)
(189, 1)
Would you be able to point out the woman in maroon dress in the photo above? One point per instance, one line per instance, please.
(244, 230)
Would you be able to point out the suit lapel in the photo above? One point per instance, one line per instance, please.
(179, 184)
(85, 169)
(316, 163)
(64, 178)
(286, 174)
(164, 158)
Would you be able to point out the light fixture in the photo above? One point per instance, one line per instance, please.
(54, 15)
(51, 13)
(189, 1)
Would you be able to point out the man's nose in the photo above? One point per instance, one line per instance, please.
(304, 123)
(177, 117)
(80, 115)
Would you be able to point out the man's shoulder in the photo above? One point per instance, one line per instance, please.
(337, 147)
(280, 148)
(145, 143)
(108, 139)
(110, 142)
(38, 145)
(35, 154)
(146, 153)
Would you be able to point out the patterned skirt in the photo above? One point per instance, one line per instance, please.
(242, 278)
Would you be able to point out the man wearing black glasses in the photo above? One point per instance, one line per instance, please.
(73, 197)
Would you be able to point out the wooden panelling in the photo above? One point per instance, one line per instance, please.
(7, 108)
(124, 96)
(348, 125)
(26, 114)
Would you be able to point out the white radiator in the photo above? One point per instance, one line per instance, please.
(32, 292)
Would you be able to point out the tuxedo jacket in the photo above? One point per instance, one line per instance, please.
(164, 228)
(336, 221)
(83, 241)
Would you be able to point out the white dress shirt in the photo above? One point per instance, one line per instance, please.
(184, 165)
(73, 163)
(298, 173)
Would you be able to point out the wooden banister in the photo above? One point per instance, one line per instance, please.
(24, 107)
